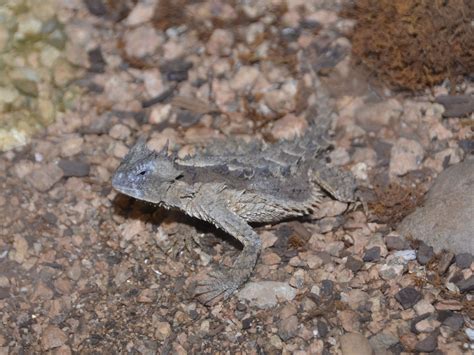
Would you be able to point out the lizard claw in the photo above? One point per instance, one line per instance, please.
(214, 287)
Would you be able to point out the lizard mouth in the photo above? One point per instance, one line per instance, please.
(130, 191)
(125, 189)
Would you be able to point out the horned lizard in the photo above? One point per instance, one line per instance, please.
(233, 184)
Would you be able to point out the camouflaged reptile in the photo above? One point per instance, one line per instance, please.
(232, 184)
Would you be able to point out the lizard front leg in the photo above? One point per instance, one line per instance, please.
(220, 284)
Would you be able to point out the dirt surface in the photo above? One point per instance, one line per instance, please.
(86, 270)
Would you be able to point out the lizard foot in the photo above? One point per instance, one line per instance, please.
(214, 287)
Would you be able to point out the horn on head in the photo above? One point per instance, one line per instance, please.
(141, 143)
(164, 151)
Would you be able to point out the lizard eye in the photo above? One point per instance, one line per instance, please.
(142, 170)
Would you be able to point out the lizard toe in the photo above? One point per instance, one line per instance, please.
(213, 288)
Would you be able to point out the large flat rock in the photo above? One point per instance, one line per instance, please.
(446, 219)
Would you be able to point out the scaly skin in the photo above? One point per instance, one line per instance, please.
(259, 185)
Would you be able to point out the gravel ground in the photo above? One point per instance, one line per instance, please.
(85, 270)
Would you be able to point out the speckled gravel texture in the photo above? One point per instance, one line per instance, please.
(86, 270)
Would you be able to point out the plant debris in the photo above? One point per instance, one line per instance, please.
(413, 44)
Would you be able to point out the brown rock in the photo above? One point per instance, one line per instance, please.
(23, 168)
(163, 330)
(220, 43)
(289, 127)
(449, 305)
(349, 320)
(355, 344)
(21, 249)
(147, 296)
(330, 208)
(427, 325)
(62, 350)
(71, 146)
(270, 259)
(119, 131)
(45, 177)
(379, 114)
(52, 337)
(245, 78)
(132, 228)
(409, 341)
(142, 41)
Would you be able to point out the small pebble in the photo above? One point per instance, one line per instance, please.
(470, 333)
(355, 344)
(396, 243)
(428, 344)
(466, 285)
(408, 297)
(425, 253)
(464, 260)
(52, 337)
(445, 261)
(266, 294)
(45, 177)
(74, 168)
(354, 264)
(372, 255)
(287, 328)
(455, 322)
(407, 255)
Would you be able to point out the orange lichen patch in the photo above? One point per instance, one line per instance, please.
(296, 242)
(394, 202)
(469, 307)
(413, 44)
(170, 13)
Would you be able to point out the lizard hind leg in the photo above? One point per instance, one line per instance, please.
(221, 283)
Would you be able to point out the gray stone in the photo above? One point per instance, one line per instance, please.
(372, 254)
(406, 156)
(327, 288)
(28, 87)
(395, 267)
(381, 342)
(74, 168)
(466, 285)
(354, 264)
(287, 328)
(408, 297)
(406, 255)
(455, 322)
(4, 293)
(445, 219)
(323, 329)
(425, 253)
(470, 333)
(428, 344)
(396, 243)
(464, 260)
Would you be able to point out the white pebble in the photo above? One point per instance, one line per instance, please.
(470, 333)
(407, 255)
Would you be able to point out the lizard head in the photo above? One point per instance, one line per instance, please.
(145, 174)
